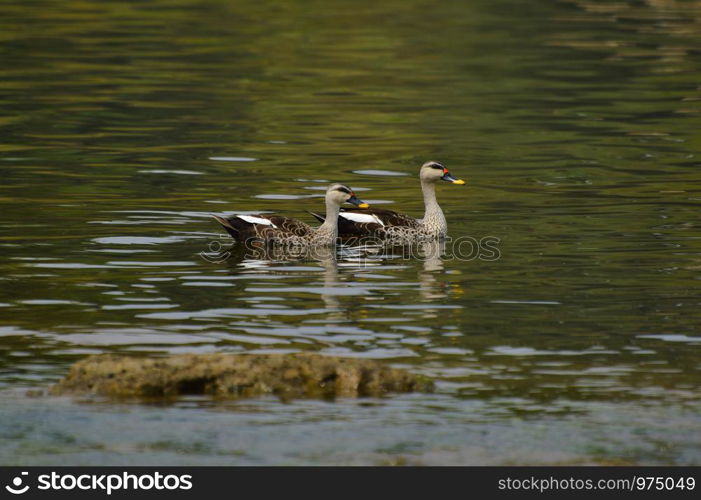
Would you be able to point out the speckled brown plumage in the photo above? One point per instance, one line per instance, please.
(396, 228)
(286, 231)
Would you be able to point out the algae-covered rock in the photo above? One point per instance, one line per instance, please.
(236, 375)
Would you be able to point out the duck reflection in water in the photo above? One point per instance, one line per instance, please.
(431, 288)
(266, 257)
(428, 255)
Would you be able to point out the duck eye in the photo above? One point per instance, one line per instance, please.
(343, 190)
(437, 166)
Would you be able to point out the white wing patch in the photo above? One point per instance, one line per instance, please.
(256, 220)
(364, 218)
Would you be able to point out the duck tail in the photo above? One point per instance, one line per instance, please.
(227, 225)
(318, 217)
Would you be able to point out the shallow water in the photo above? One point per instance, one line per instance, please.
(575, 124)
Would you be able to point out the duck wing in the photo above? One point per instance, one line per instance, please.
(375, 221)
(290, 226)
(371, 216)
(264, 227)
(380, 216)
(355, 222)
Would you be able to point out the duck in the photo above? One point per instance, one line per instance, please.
(390, 226)
(279, 230)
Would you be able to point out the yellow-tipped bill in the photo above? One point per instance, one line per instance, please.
(354, 200)
(448, 177)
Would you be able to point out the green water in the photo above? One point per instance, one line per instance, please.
(575, 124)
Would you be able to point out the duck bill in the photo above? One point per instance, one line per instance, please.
(358, 203)
(449, 178)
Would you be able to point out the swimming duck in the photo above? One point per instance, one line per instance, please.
(280, 230)
(400, 228)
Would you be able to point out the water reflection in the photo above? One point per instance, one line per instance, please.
(431, 287)
(354, 258)
(331, 282)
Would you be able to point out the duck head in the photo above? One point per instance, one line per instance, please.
(432, 171)
(340, 194)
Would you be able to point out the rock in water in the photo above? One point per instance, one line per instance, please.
(288, 376)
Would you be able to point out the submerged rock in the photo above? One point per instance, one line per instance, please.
(236, 375)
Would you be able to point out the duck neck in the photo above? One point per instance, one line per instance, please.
(328, 231)
(434, 220)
